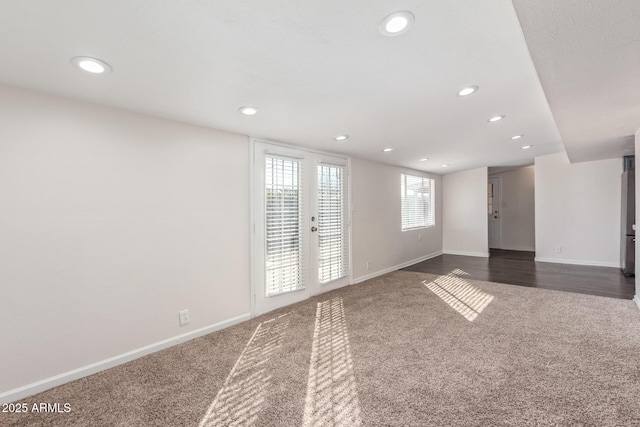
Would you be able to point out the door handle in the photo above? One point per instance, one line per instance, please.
(314, 229)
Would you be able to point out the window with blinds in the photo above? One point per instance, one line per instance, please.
(332, 216)
(283, 229)
(418, 202)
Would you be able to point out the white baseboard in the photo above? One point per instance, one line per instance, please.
(577, 262)
(396, 267)
(46, 384)
(637, 300)
(476, 254)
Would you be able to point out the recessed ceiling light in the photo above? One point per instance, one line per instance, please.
(517, 136)
(91, 65)
(496, 118)
(468, 91)
(526, 147)
(341, 137)
(386, 150)
(424, 159)
(396, 23)
(249, 111)
(446, 165)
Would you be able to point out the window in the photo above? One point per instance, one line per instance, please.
(418, 202)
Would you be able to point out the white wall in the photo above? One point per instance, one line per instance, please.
(376, 232)
(110, 223)
(465, 225)
(578, 210)
(517, 210)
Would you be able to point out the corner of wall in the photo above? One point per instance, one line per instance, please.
(378, 243)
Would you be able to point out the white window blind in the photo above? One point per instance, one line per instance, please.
(418, 202)
(283, 229)
(332, 217)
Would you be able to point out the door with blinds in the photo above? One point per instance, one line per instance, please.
(329, 241)
(301, 239)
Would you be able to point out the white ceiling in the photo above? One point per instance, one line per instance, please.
(317, 69)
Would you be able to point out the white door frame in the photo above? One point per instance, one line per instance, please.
(311, 289)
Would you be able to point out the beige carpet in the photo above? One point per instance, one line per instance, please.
(405, 349)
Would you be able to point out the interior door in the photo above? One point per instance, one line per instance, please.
(493, 212)
(301, 222)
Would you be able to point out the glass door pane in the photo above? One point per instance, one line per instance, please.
(332, 238)
(284, 265)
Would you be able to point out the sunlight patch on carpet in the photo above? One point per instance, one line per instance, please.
(332, 397)
(240, 399)
(463, 297)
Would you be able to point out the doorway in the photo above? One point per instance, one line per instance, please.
(301, 218)
(511, 208)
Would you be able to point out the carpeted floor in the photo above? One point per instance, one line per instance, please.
(404, 349)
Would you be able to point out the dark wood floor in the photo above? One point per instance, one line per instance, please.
(519, 268)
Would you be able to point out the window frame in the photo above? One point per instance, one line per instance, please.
(429, 213)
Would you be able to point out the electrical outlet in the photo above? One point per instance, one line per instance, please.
(184, 317)
(368, 265)
(559, 250)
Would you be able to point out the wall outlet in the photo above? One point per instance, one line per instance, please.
(368, 265)
(184, 317)
(559, 250)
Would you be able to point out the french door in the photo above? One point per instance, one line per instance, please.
(301, 218)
